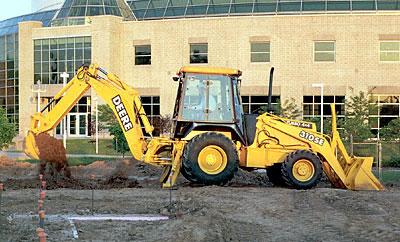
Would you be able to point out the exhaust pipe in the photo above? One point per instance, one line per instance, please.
(271, 77)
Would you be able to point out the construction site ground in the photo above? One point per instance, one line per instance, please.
(249, 208)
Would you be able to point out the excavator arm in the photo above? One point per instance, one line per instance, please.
(123, 100)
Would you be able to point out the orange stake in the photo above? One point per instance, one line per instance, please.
(40, 202)
(42, 237)
(43, 184)
(1, 186)
(42, 194)
(39, 230)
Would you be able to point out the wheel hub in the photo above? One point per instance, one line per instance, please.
(212, 159)
(303, 170)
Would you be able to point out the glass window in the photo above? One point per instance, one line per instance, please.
(312, 105)
(289, 5)
(198, 53)
(338, 5)
(92, 11)
(257, 103)
(242, 8)
(383, 109)
(143, 55)
(314, 5)
(389, 51)
(363, 5)
(265, 6)
(207, 98)
(324, 51)
(50, 63)
(151, 105)
(260, 52)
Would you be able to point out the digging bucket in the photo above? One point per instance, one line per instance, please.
(31, 149)
(360, 176)
(349, 172)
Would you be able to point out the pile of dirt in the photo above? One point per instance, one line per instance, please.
(51, 150)
(7, 162)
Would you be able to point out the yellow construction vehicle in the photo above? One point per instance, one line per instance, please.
(211, 137)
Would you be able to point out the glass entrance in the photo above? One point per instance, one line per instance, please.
(77, 125)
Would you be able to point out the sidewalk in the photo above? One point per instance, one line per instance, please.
(16, 155)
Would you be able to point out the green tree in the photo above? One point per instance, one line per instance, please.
(358, 109)
(391, 131)
(7, 131)
(107, 117)
(108, 120)
(119, 141)
(288, 109)
(317, 120)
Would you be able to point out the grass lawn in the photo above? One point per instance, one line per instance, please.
(74, 161)
(88, 147)
(388, 175)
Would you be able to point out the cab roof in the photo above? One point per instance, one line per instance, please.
(210, 70)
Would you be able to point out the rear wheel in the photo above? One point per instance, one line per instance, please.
(301, 169)
(210, 159)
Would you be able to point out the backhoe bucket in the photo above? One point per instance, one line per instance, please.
(348, 172)
(45, 147)
(31, 149)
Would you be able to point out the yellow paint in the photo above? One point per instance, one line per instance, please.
(303, 170)
(212, 159)
(210, 70)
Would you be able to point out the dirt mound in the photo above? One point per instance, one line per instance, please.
(51, 149)
(7, 162)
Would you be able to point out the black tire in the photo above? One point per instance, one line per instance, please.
(308, 165)
(194, 168)
(274, 174)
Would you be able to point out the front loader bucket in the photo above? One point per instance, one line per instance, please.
(360, 177)
(31, 149)
(348, 172)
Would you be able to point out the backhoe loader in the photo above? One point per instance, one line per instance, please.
(211, 137)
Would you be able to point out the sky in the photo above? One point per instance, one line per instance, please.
(14, 8)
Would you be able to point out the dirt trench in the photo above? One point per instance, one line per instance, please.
(248, 208)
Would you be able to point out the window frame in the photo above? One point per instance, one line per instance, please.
(142, 56)
(315, 52)
(266, 52)
(200, 53)
(380, 51)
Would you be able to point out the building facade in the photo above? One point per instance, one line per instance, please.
(349, 46)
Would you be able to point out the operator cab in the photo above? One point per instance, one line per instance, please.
(207, 99)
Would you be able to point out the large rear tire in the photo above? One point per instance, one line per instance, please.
(301, 169)
(210, 159)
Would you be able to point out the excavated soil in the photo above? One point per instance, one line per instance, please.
(51, 150)
(248, 208)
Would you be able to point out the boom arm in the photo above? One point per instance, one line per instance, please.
(123, 100)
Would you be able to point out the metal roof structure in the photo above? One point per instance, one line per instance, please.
(73, 12)
(10, 26)
(163, 9)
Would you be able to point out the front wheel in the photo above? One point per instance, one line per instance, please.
(301, 169)
(210, 159)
